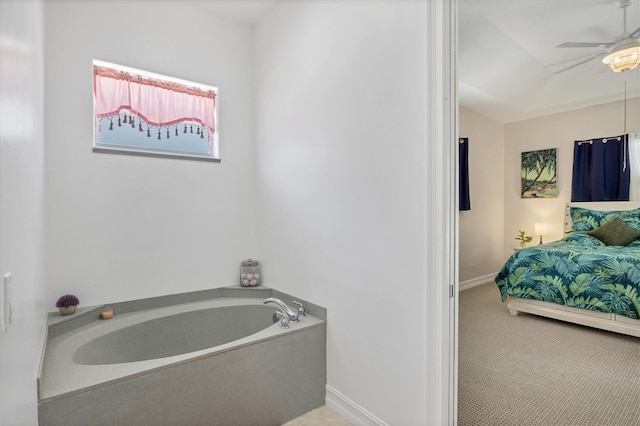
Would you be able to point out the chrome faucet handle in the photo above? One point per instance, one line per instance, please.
(284, 319)
(301, 311)
(293, 315)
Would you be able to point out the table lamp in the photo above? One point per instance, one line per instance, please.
(541, 229)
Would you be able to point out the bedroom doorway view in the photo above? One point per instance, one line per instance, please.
(529, 369)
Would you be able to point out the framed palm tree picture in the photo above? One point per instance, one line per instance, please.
(538, 174)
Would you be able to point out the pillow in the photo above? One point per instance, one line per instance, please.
(583, 220)
(616, 233)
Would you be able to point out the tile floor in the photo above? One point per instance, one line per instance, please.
(321, 416)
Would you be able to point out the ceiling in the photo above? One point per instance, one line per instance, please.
(507, 55)
(248, 12)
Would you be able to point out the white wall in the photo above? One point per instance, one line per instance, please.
(342, 163)
(123, 227)
(482, 227)
(21, 205)
(555, 131)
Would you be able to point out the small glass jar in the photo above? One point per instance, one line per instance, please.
(250, 273)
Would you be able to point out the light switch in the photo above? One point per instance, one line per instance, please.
(7, 292)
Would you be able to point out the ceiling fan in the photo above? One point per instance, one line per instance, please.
(621, 53)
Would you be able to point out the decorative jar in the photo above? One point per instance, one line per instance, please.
(250, 273)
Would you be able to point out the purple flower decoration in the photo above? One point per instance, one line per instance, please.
(67, 300)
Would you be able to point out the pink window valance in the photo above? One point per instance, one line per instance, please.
(158, 102)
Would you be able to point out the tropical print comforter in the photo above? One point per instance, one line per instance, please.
(578, 271)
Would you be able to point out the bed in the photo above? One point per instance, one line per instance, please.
(580, 279)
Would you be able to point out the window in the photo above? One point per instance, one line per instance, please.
(634, 165)
(601, 170)
(464, 201)
(138, 112)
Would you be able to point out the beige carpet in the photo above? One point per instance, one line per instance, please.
(529, 370)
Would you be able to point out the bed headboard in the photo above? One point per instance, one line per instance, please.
(598, 205)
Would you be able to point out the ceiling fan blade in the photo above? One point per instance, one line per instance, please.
(584, 61)
(584, 44)
(635, 34)
(567, 62)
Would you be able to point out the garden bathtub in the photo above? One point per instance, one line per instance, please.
(220, 360)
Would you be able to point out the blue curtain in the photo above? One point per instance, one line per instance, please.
(601, 169)
(463, 178)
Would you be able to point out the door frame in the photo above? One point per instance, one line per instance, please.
(442, 212)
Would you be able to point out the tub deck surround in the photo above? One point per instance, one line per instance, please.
(78, 369)
(59, 324)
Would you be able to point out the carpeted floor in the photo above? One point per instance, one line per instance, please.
(528, 370)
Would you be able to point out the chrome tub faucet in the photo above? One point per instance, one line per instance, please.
(293, 315)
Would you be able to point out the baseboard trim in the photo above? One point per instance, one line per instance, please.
(348, 409)
(474, 282)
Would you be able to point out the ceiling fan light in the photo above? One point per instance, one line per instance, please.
(623, 59)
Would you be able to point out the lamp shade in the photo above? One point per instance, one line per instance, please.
(624, 59)
(541, 228)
